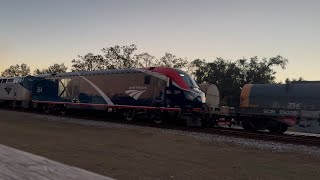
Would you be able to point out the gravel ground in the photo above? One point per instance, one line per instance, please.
(251, 143)
(133, 152)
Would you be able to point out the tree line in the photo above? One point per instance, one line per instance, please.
(229, 76)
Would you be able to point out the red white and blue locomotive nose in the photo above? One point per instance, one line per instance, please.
(193, 93)
(196, 95)
(201, 97)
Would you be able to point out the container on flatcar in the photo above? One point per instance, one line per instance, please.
(212, 94)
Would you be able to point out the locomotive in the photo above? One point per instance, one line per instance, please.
(155, 91)
(16, 91)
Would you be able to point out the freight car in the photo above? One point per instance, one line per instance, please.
(277, 106)
(213, 114)
(156, 92)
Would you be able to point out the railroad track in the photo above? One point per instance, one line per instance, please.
(266, 136)
(239, 133)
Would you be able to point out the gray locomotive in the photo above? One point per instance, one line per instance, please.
(16, 91)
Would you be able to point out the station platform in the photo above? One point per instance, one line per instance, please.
(17, 165)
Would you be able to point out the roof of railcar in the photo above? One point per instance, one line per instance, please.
(302, 89)
(14, 77)
(88, 73)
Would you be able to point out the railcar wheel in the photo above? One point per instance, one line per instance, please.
(248, 126)
(157, 120)
(278, 129)
(130, 115)
(284, 128)
(63, 112)
(47, 110)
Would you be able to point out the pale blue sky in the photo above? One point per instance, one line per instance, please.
(42, 32)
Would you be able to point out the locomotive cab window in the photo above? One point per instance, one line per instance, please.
(188, 79)
(147, 79)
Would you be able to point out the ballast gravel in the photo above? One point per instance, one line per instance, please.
(249, 143)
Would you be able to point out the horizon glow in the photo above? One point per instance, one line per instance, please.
(40, 33)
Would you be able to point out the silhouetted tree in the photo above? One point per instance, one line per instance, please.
(230, 76)
(16, 70)
(145, 60)
(119, 57)
(225, 74)
(55, 68)
(170, 60)
(260, 72)
(288, 80)
(89, 62)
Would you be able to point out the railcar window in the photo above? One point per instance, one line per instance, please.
(0, 80)
(4, 81)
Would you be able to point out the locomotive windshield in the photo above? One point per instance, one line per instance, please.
(188, 79)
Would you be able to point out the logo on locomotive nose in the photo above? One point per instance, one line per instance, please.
(136, 91)
(8, 90)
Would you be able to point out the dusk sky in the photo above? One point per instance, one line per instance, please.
(43, 32)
